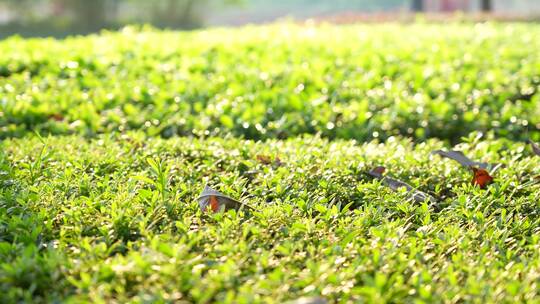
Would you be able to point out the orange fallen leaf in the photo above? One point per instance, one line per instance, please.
(214, 203)
(481, 178)
(218, 201)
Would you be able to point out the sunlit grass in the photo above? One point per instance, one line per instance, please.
(351, 82)
(109, 139)
(89, 228)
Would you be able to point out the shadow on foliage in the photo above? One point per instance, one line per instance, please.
(29, 262)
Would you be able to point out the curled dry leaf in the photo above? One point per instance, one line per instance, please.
(56, 117)
(395, 185)
(461, 158)
(481, 178)
(267, 160)
(264, 159)
(535, 147)
(377, 172)
(218, 201)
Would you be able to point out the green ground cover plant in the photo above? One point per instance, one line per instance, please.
(108, 140)
(96, 225)
(350, 82)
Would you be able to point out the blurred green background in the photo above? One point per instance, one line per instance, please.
(65, 17)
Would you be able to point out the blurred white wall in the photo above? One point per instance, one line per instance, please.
(527, 7)
(258, 11)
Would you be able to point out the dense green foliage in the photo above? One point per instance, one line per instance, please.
(78, 221)
(346, 82)
(102, 208)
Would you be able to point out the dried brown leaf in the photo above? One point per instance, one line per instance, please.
(267, 160)
(264, 159)
(461, 158)
(218, 201)
(395, 185)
